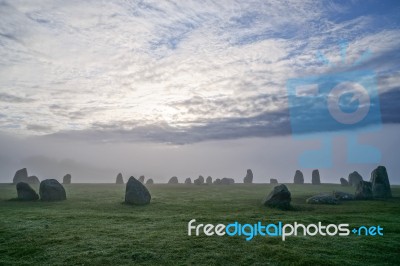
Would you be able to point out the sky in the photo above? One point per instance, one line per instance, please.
(163, 88)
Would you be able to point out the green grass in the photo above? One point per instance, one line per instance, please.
(93, 227)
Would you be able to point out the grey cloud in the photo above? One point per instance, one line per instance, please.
(9, 98)
(234, 106)
(74, 112)
(10, 37)
(39, 128)
(264, 124)
(108, 59)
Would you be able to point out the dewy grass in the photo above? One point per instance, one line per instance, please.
(93, 227)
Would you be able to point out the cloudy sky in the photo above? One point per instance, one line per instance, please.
(184, 88)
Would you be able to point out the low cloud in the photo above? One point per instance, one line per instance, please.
(38, 128)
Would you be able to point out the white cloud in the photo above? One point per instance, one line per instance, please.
(129, 64)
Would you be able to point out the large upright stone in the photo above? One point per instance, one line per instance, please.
(120, 179)
(199, 180)
(209, 180)
(150, 182)
(315, 179)
(344, 182)
(273, 181)
(51, 190)
(173, 180)
(67, 179)
(298, 177)
(25, 192)
(20, 176)
(188, 181)
(141, 179)
(364, 190)
(248, 179)
(279, 197)
(355, 178)
(136, 193)
(380, 183)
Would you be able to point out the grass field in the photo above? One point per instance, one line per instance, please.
(93, 227)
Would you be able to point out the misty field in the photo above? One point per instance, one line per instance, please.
(93, 227)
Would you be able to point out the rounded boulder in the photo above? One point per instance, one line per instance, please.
(52, 190)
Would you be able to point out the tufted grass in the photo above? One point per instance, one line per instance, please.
(93, 227)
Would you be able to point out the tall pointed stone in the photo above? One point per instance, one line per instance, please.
(120, 179)
(355, 178)
(380, 183)
(136, 193)
(20, 176)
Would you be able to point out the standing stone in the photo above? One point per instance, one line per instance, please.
(188, 181)
(149, 182)
(173, 180)
(315, 179)
(273, 181)
(217, 181)
(67, 179)
(343, 182)
(364, 190)
(141, 179)
(355, 178)
(298, 177)
(199, 181)
(279, 197)
(380, 183)
(120, 179)
(248, 179)
(25, 192)
(33, 180)
(209, 180)
(227, 181)
(136, 193)
(51, 190)
(20, 176)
